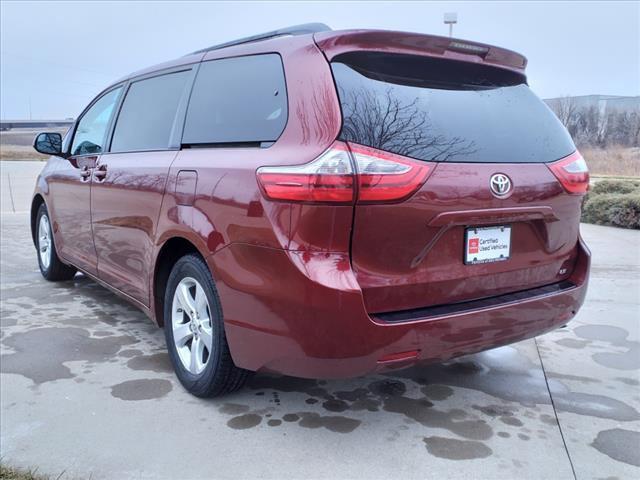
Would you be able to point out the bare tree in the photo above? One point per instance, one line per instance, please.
(598, 126)
(565, 109)
(385, 122)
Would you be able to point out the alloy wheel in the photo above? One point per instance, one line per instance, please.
(191, 322)
(44, 241)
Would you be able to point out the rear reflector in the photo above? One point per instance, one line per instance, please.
(572, 172)
(399, 357)
(343, 174)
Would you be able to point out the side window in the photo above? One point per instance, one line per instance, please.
(148, 113)
(92, 128)
(237, 100)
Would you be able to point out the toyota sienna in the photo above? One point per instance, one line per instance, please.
(321, 204)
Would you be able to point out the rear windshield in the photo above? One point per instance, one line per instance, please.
(442, 110)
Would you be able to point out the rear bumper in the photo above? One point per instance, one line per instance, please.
(303, 314)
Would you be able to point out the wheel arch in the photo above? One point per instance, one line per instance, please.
(170, 252)
(35, 206)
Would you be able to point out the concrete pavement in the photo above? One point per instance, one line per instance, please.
(86, 388)
(17, 180)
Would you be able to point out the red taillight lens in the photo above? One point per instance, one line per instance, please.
(330, 178)
(572, 172)
(385, 177)
(327, 179)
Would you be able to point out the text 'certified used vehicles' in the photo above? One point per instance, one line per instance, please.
(321, 204)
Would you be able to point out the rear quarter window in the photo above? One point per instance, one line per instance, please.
(237, 100)
(438, 110)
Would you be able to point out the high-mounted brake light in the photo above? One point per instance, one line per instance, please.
(331, 178)
(572, 172)
(468, 48)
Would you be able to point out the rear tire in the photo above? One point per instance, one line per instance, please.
(50, 264)
(194, 331)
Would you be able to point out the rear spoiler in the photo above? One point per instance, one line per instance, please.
(334, 43)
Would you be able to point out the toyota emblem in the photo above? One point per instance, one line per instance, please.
(500, 184)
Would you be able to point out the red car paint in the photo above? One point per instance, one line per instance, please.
(305, 287)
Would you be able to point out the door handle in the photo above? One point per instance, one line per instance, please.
(100, 172)
(85, 172)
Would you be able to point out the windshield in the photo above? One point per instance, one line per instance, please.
(420, 108)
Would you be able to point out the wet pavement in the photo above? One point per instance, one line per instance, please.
(87, 388)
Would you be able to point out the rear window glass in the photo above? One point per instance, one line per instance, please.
(148, 113)
(440, 110)
(237, 100)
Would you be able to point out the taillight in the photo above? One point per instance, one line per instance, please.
(386, 177)
(572, 172)
(378, 177)
(327, 179)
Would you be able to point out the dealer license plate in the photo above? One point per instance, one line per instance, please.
(487, 244)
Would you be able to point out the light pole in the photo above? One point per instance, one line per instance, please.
(450, 19)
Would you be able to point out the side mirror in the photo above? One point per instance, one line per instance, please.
(48, 143)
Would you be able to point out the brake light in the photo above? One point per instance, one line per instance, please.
(331, 178)
(386, 177)
(572, 172)
(327, 179)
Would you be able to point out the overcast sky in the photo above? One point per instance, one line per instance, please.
(57, 55)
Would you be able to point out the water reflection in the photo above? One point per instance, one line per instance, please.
(386, 122)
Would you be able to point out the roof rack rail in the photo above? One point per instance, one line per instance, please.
(293, 30)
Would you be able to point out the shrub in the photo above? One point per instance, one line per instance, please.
(615, 186)
(616, 209)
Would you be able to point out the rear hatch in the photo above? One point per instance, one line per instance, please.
(491, 217)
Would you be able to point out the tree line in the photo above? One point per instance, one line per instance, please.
(594, 126)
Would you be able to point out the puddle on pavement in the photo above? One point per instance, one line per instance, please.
(386, 394)
(334, 423)
(572, 343)
(40, 353)
(143, 389)
(634, 382)
(128, 353)
(454, 449)
(604, 333)
(512, 421)
(591, 405)
(619, 444)
(157, 362)
(423, 412)
(616, 336)
(233, 409)
(504, 373)
(8, 318)
(242, 422)
(437, 392)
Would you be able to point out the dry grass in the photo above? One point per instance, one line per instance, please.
(613, 161)
(10, 473)
(20, 152)
(16, 144)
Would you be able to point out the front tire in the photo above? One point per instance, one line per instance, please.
(50, 264)
(194, 331)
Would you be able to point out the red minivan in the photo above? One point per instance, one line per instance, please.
(321, 204)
